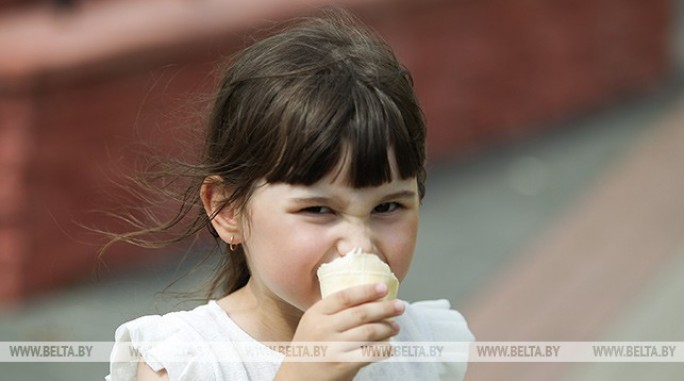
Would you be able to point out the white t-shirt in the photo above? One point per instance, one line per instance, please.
(160, 340)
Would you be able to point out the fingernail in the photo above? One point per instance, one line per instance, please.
(381, 288)
(399, 305)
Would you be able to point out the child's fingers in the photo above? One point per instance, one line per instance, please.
(372, 332)
(367, 313)
(351, 297)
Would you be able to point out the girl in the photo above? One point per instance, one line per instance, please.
(316, 146)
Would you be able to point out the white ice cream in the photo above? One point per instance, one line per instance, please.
(356, 268)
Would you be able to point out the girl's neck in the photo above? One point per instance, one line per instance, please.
(263, 318)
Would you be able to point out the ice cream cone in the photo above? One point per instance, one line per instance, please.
(356, 268)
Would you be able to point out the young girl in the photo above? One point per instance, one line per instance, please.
(316, 147)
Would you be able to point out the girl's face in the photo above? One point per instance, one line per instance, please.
(290, 230)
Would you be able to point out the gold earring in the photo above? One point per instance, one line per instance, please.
(231, 245)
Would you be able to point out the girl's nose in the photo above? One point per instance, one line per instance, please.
(357, 236)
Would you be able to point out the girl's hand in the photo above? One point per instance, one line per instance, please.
(356, 314)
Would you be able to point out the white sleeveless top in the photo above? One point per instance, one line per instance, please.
(159, 340)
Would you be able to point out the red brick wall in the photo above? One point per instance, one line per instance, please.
(14, 151)
(60, 152)
(486, 71)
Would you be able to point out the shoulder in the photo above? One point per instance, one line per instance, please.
(435, 321)
(203, 322)
(165, 342)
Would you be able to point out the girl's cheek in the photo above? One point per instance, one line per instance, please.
(402, 247)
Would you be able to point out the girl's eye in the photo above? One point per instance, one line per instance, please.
(317, 210)
(386, 207)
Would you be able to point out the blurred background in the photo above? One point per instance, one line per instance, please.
(554, 209)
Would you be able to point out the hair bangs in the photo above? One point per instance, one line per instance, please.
(349, 127)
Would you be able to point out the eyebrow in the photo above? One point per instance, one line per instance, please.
(399, 195)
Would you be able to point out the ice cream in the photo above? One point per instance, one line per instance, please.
(356, 268)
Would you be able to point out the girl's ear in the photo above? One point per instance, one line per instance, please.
(225, 221)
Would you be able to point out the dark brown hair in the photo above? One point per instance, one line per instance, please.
(287, 110)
